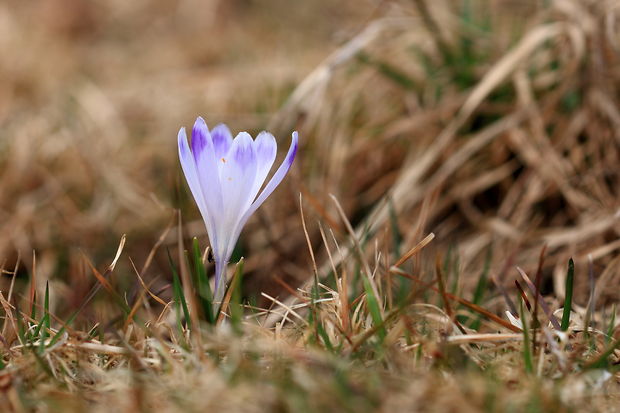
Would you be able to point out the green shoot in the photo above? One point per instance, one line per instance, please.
(179, 298)
(568, 299)
(527, 349)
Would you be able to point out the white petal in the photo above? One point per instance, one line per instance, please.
(190, 171)
(270, 187)
(277, 177)
(209, 178)
(237, 174)
(202, 148)
(266, 149)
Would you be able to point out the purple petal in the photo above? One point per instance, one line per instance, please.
(276, 178)
(242, 152)
(200, 136)
(208, 176)
(207, 168)
(222, 140)
(188, 164)
(189, 169)
(269, 188)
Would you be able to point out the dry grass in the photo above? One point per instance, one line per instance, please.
(444, 147)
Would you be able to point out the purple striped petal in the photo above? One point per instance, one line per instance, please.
(243, 152)
(222, 140)
(200, 137)
(208, 176)
(188, 164)
(189, 168)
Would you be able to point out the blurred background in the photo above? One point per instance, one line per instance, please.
(492, 123)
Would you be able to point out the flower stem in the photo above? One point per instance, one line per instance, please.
(220, 283)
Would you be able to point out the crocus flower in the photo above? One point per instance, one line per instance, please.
(225, 176)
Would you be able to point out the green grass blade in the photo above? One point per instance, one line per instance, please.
(612, 325)
(33, 310)
(21, 331)
(568, 299)
(481, 287)
(373, 308)
(527, 349)
(205, 295)
(179, 297)
(45, 322)
(28, 345)
(236, 307)
(324, 336)
(62, 330)
(601, 361)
